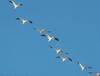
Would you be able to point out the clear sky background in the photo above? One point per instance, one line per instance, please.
(24, 52)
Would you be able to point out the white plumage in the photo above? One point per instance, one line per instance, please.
(64, 57)
(15, 4)
(95, 73)
(41, 30)
(83, 67)
(23, 20)
(50, 37)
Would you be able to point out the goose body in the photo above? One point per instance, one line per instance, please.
(65, 59)
(15, 4)
(58, 50)
(97, 74)
(82, 67)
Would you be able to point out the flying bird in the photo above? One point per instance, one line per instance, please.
(15, 4)
(64, 57)
(23, 21)
(50, 37)
(83, 67)
(41, 30)
(58, 50)
(94, 73)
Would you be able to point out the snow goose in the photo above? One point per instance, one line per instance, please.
(15, 4)
(83, 67)
(58, 50)
(50, 37)
(23, 21)
(64, 57)
(41, 30)
(95, 73)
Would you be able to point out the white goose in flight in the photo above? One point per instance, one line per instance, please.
(95, 73)
(83, 67)
(50, 37)
(23, 21)
(41, 30)
(64, 57)
(58, 50)
(15, 4)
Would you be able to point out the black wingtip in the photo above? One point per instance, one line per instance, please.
(17, 18)
(70, 59)
(30, 21)
(43, 35)
(57, 39)
(57, 57)
(10, 1)
(90, 72)
(77, 62)
(21, 4)
(50, 46)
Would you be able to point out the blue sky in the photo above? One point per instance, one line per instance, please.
(24, 52)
